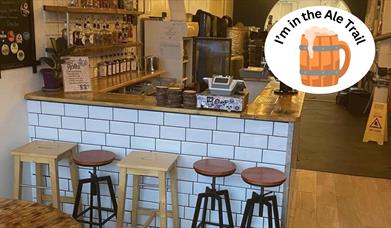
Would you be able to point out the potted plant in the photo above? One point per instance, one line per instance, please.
(52, 76)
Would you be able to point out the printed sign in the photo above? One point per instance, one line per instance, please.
(320, 50)
(76, 74)
(376, 129)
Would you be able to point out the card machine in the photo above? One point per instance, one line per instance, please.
(224, 85)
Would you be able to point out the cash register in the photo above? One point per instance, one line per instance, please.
(223, 93)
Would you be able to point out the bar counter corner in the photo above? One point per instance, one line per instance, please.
(258, 136)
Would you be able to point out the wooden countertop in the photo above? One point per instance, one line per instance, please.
(266, 106)
(111, 83)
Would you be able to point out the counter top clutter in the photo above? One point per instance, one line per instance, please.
(266, 106)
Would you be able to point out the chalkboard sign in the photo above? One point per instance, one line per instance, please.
(17, 41)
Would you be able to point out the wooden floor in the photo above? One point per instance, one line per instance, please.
(333, 200)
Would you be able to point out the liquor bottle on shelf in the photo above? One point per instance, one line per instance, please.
(121, 4)
(73, 3)
(117, 64)
(77, 36)
(64, 32)
(88, 38)
(105, 3)
(102, 68)
(116, 32)
(97, 3)
(107, 35)
(114, 4)
(128, 62)
(130, 28)
(109, 64)
(128, 4)
(133, 62)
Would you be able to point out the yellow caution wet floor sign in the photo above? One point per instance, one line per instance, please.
(376, 129)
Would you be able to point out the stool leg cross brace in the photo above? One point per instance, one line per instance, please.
(263, 199)
(215, 196)
(95, 191)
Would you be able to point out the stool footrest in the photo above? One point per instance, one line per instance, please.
(211, 223)
(96, 208)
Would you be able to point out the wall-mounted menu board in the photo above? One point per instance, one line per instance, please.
(17, 41)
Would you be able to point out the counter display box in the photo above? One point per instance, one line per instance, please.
(234, 103)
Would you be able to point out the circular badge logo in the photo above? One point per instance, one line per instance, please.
(20, 55)
(5, 50)
(11, 36)
(24, 9)
(26, 36)
(320, 49)
(14, 48)
(19, 38)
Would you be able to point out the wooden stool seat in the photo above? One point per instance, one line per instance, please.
(154, 164)
(214, 167)
(264, 177)
(45, 153)
(93, 158)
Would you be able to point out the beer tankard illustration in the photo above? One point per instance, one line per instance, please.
(320, 58)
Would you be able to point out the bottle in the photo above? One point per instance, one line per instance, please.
(97, 3)
(114, 4)
(133, 62)
(109, 66)
(129, 4)
(77, 39)
(64, 32)
(89, 3)
(117, 65)
(88, 34)
(105, 4)
(116, 32)
(73, 3)
(130, 28)
(128, 66)
(102, 68)
(121, 4)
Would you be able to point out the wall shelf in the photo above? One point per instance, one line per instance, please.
(98, 49)
(80, 10)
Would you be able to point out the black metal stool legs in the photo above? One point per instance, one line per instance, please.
(262, 199)
(95, 191)
(215, 196)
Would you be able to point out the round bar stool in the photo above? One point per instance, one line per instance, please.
(262, 177)
(213, 168)
(94, 159)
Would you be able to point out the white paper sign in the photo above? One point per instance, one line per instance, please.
(76, 76)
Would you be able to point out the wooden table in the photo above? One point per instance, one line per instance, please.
(18, 213)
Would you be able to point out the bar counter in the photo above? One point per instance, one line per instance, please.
(262, 135)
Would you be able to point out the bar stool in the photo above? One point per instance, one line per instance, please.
(213, 168)
(49, 153)
(94, 159)
(262, 177)
(155, 164)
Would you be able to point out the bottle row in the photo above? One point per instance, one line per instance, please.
(114, 4)
(115, 64)
(87, 32)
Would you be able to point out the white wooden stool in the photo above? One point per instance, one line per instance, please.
(148, 164)
(43, 152)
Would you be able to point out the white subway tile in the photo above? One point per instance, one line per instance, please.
(52, 108)
(176, 120)
(170, 146)
(147, 130)
(191, 148)
(203, 122)
(46, 133)
(220, 151)
(274, 157)
(34, 106)
(281, 129)
(119, 152)
(32, 119)
(278, 143)
(93, 138)
(49, 121)
(118, 140)
(150, 117)
(128, 115)
(235, 193)
(185, 187)
(235, 180)
(187, 161)
(84, 147)
(254, 141)
(73, 123)
(230, 124)
(226, 138)
(97, 125)
(175, 133)
(69, 135)
(97, 112)
(76, 110)
(183, 199)
(186, 174)
(196, 135)
(200, 187)
(121, 128)
(189, 213)
(248, 154)
(142, 143)
(31, 131)
(242, 165)
(259, 127)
